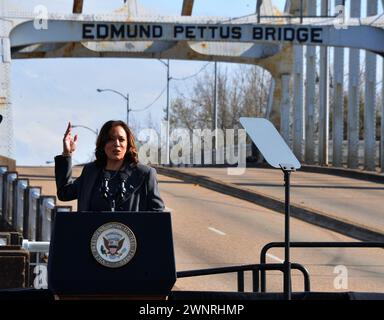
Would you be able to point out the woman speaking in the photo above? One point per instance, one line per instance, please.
(115, 181)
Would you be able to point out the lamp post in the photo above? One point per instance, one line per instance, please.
(215, 98)
(122, 95)
(96, 132)
(167, 112)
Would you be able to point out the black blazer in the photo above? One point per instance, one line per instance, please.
(143, 186)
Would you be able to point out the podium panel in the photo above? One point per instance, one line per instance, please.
(96, 253)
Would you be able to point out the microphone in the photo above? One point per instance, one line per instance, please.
(123, 189)
(105, 185)
(106, 190)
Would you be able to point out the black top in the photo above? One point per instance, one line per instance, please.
(142, 192)
(102, 202)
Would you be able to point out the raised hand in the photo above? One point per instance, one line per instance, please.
(69, 143)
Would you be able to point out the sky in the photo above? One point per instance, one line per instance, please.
(47, 93)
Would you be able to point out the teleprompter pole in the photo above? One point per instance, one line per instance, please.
(287, 169)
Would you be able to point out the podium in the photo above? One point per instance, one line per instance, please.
(112, 254)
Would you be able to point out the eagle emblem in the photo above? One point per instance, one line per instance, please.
(113, 245)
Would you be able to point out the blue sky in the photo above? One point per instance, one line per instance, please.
(47, 93)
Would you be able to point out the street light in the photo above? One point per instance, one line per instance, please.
(167, 112)
(120, 94)
(96, 132)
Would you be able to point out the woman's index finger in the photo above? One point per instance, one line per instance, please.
(68, 128)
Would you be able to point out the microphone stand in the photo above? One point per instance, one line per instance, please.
(287, 169)
(123, 189)
(107, 195)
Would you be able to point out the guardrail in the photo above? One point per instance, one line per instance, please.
(8, 178)
(256, 269)
(264, 250)
(26, 211)
(19, 187)
(3, 170)
(32, 194)
(44, 217)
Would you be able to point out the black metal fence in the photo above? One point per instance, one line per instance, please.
(268, 246)
(255, 269)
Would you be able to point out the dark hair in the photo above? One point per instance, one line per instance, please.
(131, 156)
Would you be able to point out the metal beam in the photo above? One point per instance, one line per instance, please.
(271, 92)
(354, 97)
(370, 99)
(382, 123)
(187, 8)
(285, 108)
(294, 7)
(368, 37)
(298, 102)
(177, 51)
(324, 97)
(338, 108)
(259, 3)
(338, 104)
(310, 95)
(77, 6)
(6, 128)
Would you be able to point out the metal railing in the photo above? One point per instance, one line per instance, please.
(25, 210)
(256, 270)
(32, 195)
(44, 217)
(3, 169)
(264, 250)
(7, 194)
(19, 187)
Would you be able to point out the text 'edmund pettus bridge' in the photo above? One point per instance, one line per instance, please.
(120, 31)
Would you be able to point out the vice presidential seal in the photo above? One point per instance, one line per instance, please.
(113, 245)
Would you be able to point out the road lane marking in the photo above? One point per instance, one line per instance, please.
(275, 258)
(217, 231)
